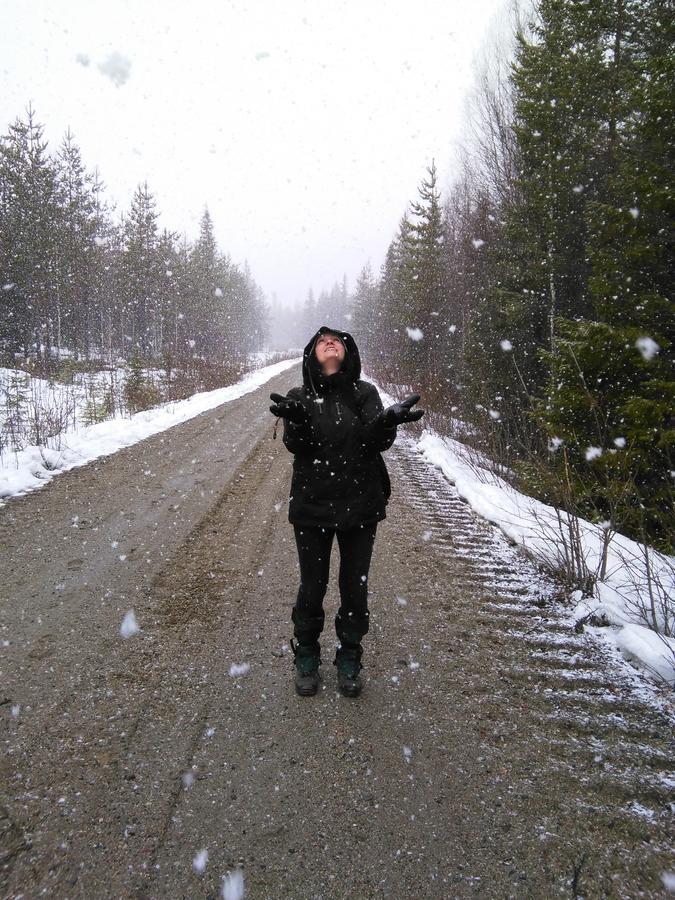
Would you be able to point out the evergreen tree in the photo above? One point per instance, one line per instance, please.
(308, 317)
(395, 292)
(104, 308)
(141, 275)
(169, 291)
(365, 313)
(561, 113)
(29, 218)
(248, 318)
(613, 370)
(424, 251)
(76, 260)
(205, 290)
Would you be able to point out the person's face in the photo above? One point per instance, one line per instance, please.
(330, 352)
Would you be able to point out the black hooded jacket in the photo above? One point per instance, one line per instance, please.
(339, 477)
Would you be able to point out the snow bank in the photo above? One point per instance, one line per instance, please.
(642, 645)
(624, 597)
(34, 466)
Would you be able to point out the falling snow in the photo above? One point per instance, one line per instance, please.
(233, 885)
(129, 626)
(188, 780)
(200, 860)
(237, 669)
(116, 67)
(647, 347)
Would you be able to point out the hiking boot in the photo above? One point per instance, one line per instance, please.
(307, 663)
(348, 662)
(349, 683)
(306, 683)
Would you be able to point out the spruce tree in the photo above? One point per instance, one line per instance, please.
(206, 292)
(75, 274)
(29, 219)
(141, 274)
(426, 277)
(365, 313)
(396, 285)
(613, 369)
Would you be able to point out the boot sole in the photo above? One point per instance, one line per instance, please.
(304, 692)
(307, 690)
(350, 691)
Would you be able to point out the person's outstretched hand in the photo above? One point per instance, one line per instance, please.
(288, 408)
(402, 412)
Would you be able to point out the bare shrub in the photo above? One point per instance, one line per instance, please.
(50, 413)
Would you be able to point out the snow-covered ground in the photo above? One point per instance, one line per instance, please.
(626, 596)
(637, 585)
(32, 407)
(33, 466)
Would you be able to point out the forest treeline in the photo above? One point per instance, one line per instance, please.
(76, 279)
(531, 305)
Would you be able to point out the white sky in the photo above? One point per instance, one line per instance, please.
(305, 126)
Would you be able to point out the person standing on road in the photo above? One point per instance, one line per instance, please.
(336, 427)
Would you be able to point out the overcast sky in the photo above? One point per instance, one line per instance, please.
(305, 125)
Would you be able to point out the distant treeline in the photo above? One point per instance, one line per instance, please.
(74, 278)
(533, 303)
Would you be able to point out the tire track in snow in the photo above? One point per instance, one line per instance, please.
(590, 704)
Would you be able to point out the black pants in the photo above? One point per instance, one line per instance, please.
(351, 623)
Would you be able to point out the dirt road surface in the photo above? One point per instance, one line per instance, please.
(494, 752)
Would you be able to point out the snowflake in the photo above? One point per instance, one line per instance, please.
(236, 669)
(200, 860)
(647, 347)
(129, 625)
(233, 885)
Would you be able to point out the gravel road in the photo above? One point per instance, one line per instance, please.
(494, 752)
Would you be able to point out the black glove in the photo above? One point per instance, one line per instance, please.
(401, 412)
(288, 408)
